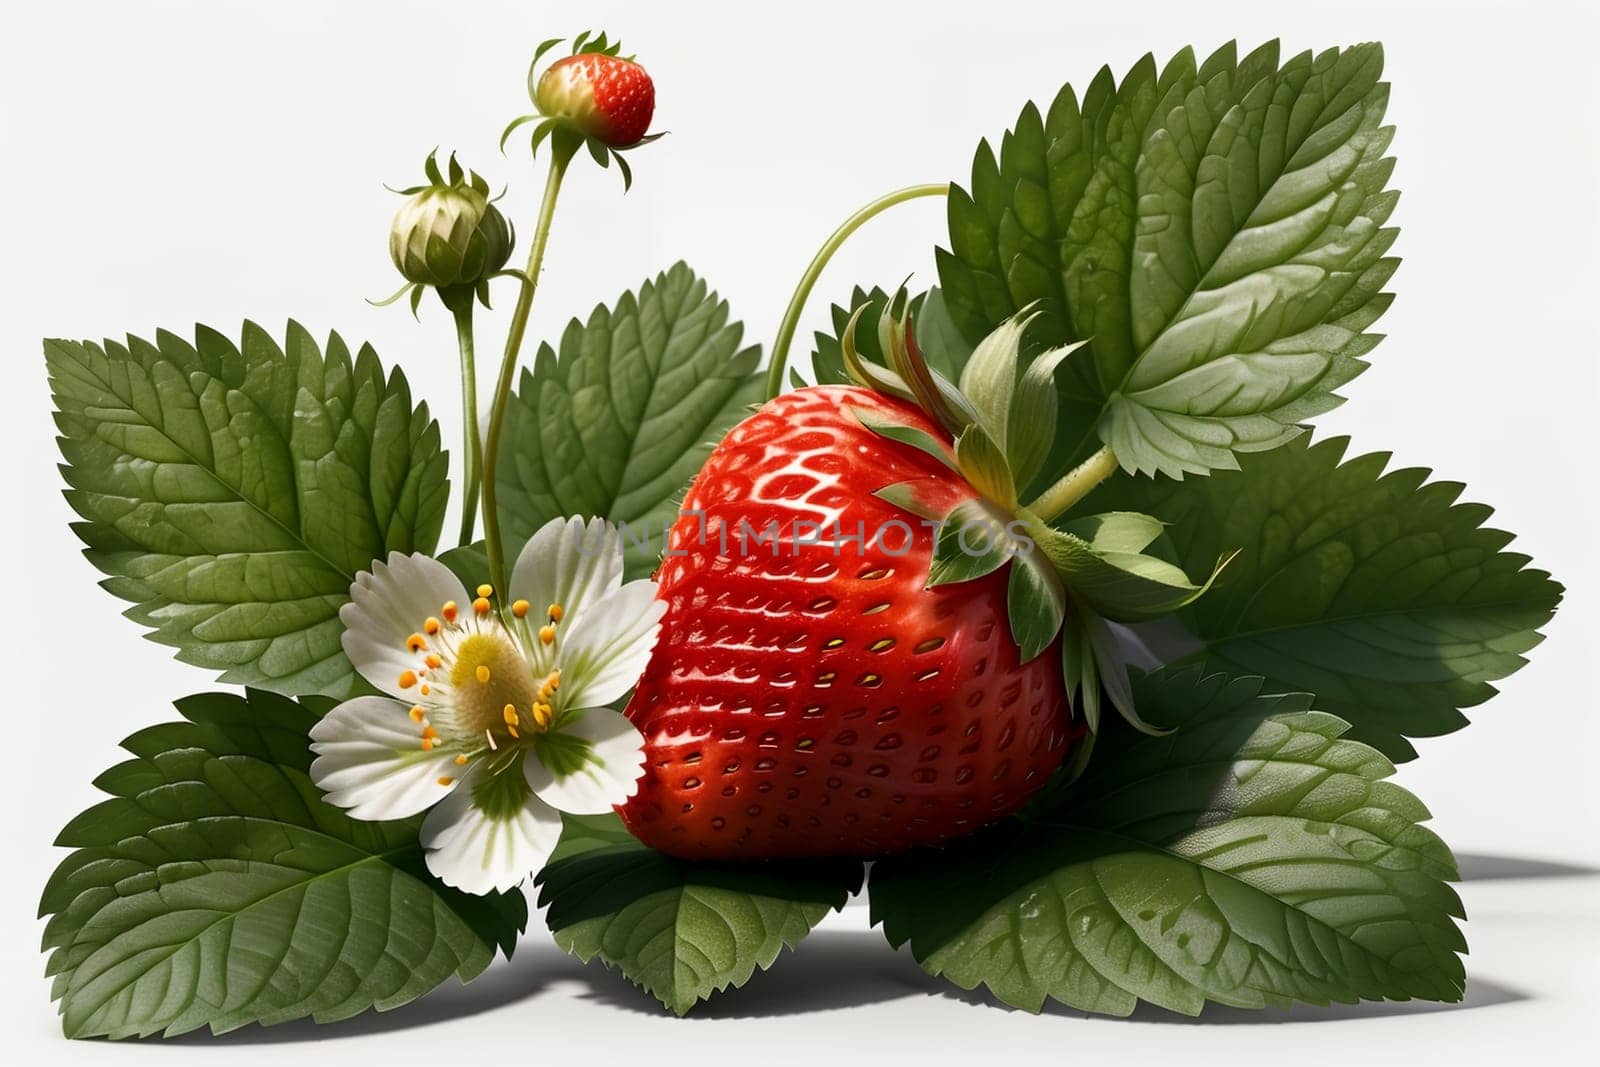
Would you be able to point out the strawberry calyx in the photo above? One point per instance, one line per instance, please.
(1072, 578)
(593, 98)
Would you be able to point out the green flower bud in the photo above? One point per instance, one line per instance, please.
(448, 235)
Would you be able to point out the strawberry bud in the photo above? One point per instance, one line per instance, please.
(602, 96)
(448, 235)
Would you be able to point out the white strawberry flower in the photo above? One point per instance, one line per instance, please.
(496, 717)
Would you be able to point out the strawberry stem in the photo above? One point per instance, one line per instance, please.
(560, 156)
(1075, 484)
(472, 436)
(802, 292)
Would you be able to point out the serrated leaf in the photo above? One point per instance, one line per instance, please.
(682, 930)
(216, 888)
(1382, 593)
(1216, 231)
(618, 421)
(1254, 857)
(232, 493)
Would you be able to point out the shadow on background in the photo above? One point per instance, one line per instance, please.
(1479, 867)
(834, 970)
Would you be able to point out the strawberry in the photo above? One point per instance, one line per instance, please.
(603, 96)
(870, 642)
(593, 98)
(808, 698)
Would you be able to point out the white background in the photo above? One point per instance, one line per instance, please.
(171, 162)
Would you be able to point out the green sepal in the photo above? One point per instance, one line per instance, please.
(919, 439)
(972, 542)
(938, 338)
(1111, 667)
(989, 380)
(943, 402)
(1124, 584)
(1079, 672)
(1034, 414)
(984, 466)
(1035, 603)
(904, 495)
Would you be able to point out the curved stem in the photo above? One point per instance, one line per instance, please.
(797, 303)
(471, 435)
(508, 365)
(1075, 484)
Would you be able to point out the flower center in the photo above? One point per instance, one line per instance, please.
(493, 687)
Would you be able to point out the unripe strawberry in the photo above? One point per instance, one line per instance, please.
(602, 96)
(447, 234)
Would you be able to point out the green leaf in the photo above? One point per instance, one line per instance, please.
(1215, 230)
(682, 930)
(216, 888)
(232, 493)
(620, 420)
(939, 339)
(1255, 857)
(1383, 594)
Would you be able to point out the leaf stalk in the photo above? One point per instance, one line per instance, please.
(808, 280)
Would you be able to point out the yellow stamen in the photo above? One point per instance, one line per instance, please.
(417, 713)
(432, 660)
(445, 779)
(408, 679)
(461, 760)
(449, 611)
(430, 733)
(486, 590)
(511, 714)
(427, 744)
(432, 625)
(416, 643)
(520, 609)
(547, 634)
(512, 730)
(555, 613)
(481, 606)
(541, 716)
(482, 674)
(423, 690)
(549, 684)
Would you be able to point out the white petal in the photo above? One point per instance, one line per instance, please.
(568, 562)
(598, 786)
(476, 853)
(606, 651)
(370, 760)
(387, 605)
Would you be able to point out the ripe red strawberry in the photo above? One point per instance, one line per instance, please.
(817, 699)
(603, 96)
